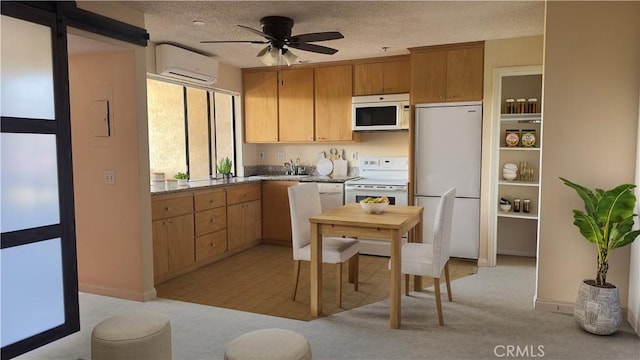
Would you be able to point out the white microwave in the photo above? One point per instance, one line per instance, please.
(380, 112)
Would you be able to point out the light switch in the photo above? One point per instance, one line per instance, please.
(99, 118)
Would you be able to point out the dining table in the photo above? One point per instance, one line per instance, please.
(352, 220)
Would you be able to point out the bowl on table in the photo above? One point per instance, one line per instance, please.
(374, 207)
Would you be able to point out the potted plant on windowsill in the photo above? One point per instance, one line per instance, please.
(182, 178)
(224, 168)
(607, 223)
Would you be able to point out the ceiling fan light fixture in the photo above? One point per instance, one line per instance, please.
(271, 57)
(289, 57)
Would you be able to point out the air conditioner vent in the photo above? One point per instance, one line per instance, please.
(178, 63)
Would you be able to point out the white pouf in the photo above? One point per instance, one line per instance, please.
(138, 335)
(269, 344)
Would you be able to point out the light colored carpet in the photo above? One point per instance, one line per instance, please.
(491, 311)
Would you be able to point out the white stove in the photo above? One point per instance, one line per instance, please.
(379, 176)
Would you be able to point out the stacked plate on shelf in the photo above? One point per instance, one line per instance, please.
(510, 171)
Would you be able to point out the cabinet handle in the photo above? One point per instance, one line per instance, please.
(167, 209)
(310, 137)
(212, 245)
(213, 221)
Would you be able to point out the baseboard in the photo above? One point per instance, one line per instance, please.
(554, 306)
(150, 294)
(633, 320)
(483, 262)
(118, 293)
(517, 253)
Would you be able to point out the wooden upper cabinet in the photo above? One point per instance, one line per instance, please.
(465, 70)
(429, 72)
(295, 103)
(447, 73)
(384, 77)
(260, 106)
(333, 89)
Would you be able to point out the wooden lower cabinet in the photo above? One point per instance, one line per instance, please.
(211, 245)
(173, 245)
(196, 228)
(276, 219)
(244, 225)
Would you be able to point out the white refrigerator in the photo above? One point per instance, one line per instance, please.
(448, 154)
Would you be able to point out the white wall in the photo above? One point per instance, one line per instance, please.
(633, 314)
(590, 101)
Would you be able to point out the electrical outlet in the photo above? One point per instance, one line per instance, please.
(261, 155)
(354, 155)
(109, 177)
(280, 155)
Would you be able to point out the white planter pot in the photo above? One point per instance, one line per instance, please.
(598, 309)
(182, 182)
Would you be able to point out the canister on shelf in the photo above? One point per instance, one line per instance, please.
(528, 138)
(520, 105)
(516, 205)
(512, 138)
(510, 106)
(526, 204)
(532, 105)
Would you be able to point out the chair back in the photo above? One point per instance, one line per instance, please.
(304, 202)
(442, 231)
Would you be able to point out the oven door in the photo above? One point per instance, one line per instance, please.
(397, 195)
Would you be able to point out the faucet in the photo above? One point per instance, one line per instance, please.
(292, 168)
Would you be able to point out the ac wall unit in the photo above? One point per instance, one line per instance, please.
(186, 65)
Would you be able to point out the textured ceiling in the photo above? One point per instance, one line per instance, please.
(368, 26)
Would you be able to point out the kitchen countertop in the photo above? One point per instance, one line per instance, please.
(203, 184)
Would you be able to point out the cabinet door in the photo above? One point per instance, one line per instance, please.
(235, 226)
(275, 211)
(295, 105)
(261, 106)
(397, 77)
(333, 89)
(253, 221)
(181, 241)
(429, 82)
(465, 74)
(160, 249)
(368, 79)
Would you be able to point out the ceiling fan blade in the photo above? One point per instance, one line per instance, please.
(319, 36)
(257, 32)
(233, 41)
(314, 48)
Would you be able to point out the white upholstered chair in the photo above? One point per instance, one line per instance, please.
(431, 259)
(304, 202)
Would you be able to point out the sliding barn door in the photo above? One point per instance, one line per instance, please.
(39, 288)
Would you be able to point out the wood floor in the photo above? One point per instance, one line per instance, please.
(260, 280)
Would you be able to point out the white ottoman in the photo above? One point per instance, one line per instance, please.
(138, 335)
(269, 344)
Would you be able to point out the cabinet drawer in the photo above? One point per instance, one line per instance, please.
(211, 244)
(240, 194)
(211, 220)
(166, 208)
(210, 200)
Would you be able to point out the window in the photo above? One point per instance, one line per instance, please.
(190, 129)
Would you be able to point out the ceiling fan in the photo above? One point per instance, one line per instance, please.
(277, 32)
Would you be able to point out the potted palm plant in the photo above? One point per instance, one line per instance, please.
(606, 222)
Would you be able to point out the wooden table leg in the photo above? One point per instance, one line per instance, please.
(395, 275)
(418, 231)
(316, 271)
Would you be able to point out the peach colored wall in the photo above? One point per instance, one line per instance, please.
(107, 216)
(590, 127)
(499, 53)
